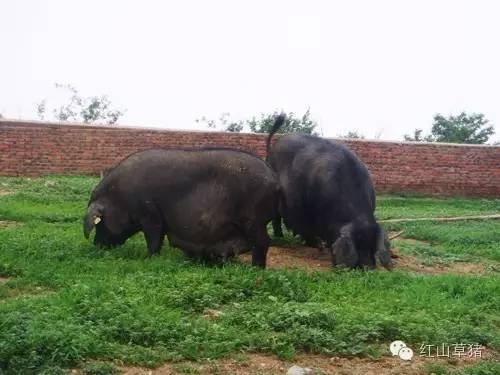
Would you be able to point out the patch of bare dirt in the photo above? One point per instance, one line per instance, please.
(24, 292)
(312, 259)
(320, 364)
(4, 192)
(411, 263)
(295, 257)
(8, 224)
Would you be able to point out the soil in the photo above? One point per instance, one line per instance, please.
(4, 279)
(5, 192)
(312, 259)
(319, 364)
(304, 257)
(411, 263)
(8, 224)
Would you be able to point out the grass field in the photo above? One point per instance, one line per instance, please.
(65, 304)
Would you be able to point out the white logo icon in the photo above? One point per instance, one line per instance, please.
(399, 348)
(396, 346)
(406, 354)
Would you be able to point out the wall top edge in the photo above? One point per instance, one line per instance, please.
(76, 125)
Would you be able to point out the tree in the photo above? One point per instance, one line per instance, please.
(352, 135)
(464, 128)
(89, 110)
(224, 123)
(417, 137)
(302, 124)
(40, 109)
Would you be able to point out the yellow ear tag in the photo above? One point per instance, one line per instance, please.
(97, 220)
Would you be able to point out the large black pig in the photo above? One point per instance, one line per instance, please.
(211, 203)
(327, 194)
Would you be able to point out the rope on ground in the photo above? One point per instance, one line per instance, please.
(396, 235)
(457, 218)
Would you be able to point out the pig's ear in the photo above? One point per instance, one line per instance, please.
(114, 218)
(93, 217)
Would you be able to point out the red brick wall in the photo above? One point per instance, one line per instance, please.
(33, 148)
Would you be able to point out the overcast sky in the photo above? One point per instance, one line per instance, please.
(378, 67)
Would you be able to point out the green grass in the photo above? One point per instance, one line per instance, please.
(72, 305)
(395, 207)
(466, 240)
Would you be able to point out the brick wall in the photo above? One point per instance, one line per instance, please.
(34, 148)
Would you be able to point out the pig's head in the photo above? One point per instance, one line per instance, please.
(112, 224)
(361, 244)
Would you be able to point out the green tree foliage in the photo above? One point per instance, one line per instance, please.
(89, 110)
(351, 135)
(41, 108)
(464, 128)
(418, 137)
(263, 124)
(224, 123)
(293, 123)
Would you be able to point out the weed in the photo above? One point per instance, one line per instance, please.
(99, 368)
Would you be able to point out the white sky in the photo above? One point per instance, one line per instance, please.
(371, 66)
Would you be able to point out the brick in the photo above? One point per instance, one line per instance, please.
(34, 148)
